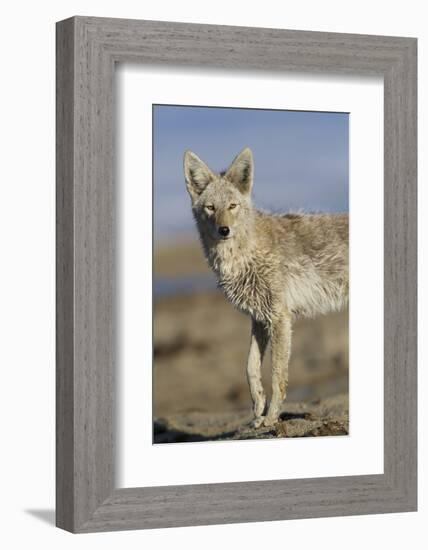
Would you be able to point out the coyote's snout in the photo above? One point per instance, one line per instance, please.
(273, 267)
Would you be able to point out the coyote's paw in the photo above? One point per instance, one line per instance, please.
(257, 422)
(263, 421)
(270, 421)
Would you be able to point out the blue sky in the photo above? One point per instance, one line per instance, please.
(301, 158)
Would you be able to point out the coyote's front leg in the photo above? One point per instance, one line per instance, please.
(259, 341)
(281, 345)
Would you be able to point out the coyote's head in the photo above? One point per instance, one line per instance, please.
(220, 202)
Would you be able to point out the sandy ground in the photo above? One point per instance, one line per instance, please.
(200, 350)
(329, 416)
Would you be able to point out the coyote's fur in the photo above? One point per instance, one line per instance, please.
(273, 267)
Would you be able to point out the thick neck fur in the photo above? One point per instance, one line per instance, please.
(242, 266)
(230, 257)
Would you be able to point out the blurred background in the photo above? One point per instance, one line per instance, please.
(200, 341)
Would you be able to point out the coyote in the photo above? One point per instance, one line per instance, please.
(273, 267)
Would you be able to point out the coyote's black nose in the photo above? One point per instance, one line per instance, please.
(224, 230)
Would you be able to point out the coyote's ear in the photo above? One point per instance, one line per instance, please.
(241, 171)
(196, 173)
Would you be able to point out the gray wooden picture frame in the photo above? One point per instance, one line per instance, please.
(87, 50)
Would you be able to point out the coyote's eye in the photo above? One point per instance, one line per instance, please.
(209, 207)
(232, 206)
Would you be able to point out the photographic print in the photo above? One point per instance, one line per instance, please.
(250, 273)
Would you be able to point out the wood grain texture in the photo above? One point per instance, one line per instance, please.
(64, 277)
(87, 49)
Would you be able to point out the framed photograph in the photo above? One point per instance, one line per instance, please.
(236, 274)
